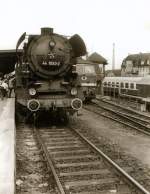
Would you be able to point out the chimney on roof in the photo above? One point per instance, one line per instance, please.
(113, 57)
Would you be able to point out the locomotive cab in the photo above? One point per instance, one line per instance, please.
(87, 76)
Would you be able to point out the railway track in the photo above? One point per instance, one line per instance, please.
(122, 115)
(78, 166)
(125, 109)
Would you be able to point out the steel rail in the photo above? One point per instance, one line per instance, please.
(134, 117)
(49, 159)
(124, 115)
(50, 162)
(129, 179)
(114, 119)
(125, 108)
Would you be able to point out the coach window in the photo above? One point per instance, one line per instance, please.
(105, 84)
(117, 85)
(132, 85)
(113, 84)
(122, 85)
(135, 86)
(126, 85)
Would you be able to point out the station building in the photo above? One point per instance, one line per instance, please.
(136, 65)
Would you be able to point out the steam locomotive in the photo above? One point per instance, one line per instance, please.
(46, 76)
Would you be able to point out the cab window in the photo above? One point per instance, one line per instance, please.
(80, 69)
(89, 69)
(85, 69)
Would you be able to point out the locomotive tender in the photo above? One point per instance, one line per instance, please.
(46, 77)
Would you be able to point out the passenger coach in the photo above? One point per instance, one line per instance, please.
(136, 88)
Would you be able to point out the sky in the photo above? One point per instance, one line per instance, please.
(99, 22)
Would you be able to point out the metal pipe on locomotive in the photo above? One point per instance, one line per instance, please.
(46, 77)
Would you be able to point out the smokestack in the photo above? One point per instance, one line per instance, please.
(113, 57)
(46, 31)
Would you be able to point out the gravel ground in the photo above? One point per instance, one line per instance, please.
(134, 143)
(32, 176)
(116, 138)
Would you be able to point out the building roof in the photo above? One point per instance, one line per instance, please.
(8, 59)
(97, 58)
(137, 58)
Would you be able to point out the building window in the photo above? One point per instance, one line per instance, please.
(122, 85)
(117, 85)
(109, 84)
(129, 66)
(132, 85)
(129, 62)
(126, 85)
(142, 62)
(105, 84)
(113, 84)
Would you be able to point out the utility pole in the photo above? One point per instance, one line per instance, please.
(113, 57)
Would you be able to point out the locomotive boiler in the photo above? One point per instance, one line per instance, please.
(46, 76)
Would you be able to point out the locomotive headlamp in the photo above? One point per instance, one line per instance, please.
(84, 77)
(51, 44)
(32, 91)
(74, 91)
